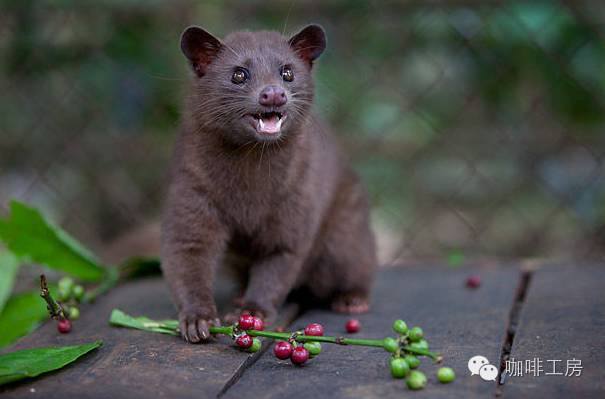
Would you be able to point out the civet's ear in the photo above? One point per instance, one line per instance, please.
(200, 47)
(309, 43)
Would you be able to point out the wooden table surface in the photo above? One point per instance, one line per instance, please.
(553, 314)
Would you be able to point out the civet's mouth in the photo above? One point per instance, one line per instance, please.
(268, 123)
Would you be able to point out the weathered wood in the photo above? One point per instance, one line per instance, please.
(457, 322)
(131, 363)
(563, 317)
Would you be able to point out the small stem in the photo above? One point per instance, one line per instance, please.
(221, 330)
(422, 352)
(306, 338)
(378, 343)
(170, 326)
(54, 308)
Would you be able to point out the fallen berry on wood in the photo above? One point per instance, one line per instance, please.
(353, 326)
(446, 375)
(473, 281)
(416, 380)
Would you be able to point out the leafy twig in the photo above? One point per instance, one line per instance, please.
(120, 318)
(54, 308)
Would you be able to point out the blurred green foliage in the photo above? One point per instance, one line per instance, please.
(477, 127)
(33, 239)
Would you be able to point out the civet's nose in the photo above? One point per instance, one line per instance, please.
(272, 96)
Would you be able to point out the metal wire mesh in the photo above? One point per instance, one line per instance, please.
(477, 126)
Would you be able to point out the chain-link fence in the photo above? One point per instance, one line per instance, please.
(478, 127)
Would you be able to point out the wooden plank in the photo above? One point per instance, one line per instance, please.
(131, 363)
(458, 322)
(563, 318)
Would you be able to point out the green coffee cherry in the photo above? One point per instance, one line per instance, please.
(256, 345)
(416, 380)
(66, 284)
(314, 348)
(63, 295)
(446, 375)
(390, 344)
(399, 368)
(415, 334)
(73, 313)
(400, 327)
(422, 344)
(78, 292)
(412, 361)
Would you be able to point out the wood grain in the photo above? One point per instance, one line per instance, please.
(563, 317)
(457, 322)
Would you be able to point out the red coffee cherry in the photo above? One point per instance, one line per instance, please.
(64, 326)
(353, 326)
(259, 325)
(244, 341)
(299, 355)
(246, 322)
(314, 329)
(473, 281)
(282, 350)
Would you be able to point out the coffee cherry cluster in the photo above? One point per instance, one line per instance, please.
(298, 352)
(245, 323)
(405, 350)
(404, 361)
(69, 295)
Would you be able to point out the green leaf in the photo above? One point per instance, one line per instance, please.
(119, 318)
(21, 315)
(33, 362)
(27, 234)
(8, 270)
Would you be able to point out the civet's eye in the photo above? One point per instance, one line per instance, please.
(240, 75)
(287, 74)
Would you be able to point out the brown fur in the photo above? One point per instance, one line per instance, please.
(291, 208)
